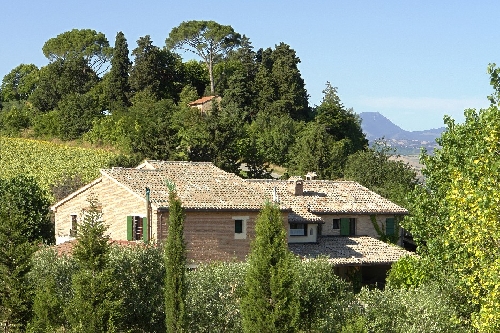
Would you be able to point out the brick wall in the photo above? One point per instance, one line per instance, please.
(210, 235)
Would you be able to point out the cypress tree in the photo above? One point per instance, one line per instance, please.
(118, 86)
(16, 296)
(271, 303)
(175, 265)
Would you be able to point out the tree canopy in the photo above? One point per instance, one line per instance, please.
(207, 39)
(88, 44)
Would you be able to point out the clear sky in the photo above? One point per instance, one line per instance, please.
(412, 61)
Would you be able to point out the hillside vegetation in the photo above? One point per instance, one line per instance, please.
(50, 163)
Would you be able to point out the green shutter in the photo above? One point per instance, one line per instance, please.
(389, 226)
(145, 229)
(130, 228)
(344, 227)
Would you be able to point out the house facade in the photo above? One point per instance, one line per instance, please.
(221, 209)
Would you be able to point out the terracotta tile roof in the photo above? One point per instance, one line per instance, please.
(202, 100)
(329, 197)
(350, 251)
(199, 185)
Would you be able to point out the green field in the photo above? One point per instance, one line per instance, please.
(48, 162)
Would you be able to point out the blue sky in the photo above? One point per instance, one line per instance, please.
(412, 61)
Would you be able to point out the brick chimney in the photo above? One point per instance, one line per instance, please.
(296, 186)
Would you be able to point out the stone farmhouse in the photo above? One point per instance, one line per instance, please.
(205, 104)
(322, 218)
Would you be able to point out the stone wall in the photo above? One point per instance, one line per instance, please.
(116, 202)
(364, 226)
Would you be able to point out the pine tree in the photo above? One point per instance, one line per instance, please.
(175, 265)
(271, 303)
(118, 86)
(94, 304)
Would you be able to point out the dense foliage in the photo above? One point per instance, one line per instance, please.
(50, 164)
(93, 92)
(270, 302)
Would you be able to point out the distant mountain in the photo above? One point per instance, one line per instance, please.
(376, 126)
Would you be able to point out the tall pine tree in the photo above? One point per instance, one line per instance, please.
(175, 265)
(271, 303)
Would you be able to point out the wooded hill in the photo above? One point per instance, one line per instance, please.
(94, 92)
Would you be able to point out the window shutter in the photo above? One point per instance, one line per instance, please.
(389, 226)
(130, 228)
(145, 229)
(344, 227)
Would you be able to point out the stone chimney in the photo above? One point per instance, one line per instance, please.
(296, 186)
(311, 175)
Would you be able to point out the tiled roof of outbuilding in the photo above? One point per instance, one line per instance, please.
(199, 185)
(349, 251)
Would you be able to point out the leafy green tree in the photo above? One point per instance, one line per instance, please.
(51, 279)
(455, 212)
(175, 265)
(209, 40)
(87, 44)
(195, 75)
(77, 113)
(155, 70)
(424, 309)
(213, 294)
(32, 202)
(60, 78)
(274, 135)
(341, 123)
(149, 127)
(16, 295)
(239, 88)
(280, 84)
(375, 169)
(316, 150)
(140, 273)
(15, 117)
(270, 303)
(117, 79)
(19, 83)
(95, 302)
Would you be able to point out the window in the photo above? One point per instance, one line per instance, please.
(347, 226)
(240, 227)
(298, 229)
(137, 228)
(336, 224)
(390, 226)
(74, 226)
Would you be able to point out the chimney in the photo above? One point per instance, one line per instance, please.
(311, 175)
(296, 186)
